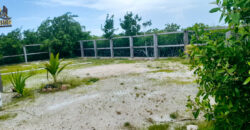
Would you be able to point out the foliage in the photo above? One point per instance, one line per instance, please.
(11, 44)
(7, 116)
(172, 27)
(108, 28)
(131, 24)
(159, 127)
(53, 66)
(18, 80)
(222, 69)
(62, 34)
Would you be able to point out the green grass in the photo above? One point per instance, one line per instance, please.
(182, 60)
(177, 81)
(7, 116)
(174, 115)
(159, 127)
(162, 70)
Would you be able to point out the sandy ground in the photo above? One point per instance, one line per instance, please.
(126, 93)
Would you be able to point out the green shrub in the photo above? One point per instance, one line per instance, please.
(222, 69)
(18, 80)
(174, 115)
(159, 127)
(53, 66)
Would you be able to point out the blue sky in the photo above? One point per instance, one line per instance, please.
(28, 14)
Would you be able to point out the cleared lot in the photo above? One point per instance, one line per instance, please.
(138, 93)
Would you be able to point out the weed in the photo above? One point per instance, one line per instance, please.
(162, 70)
(174, 115)
(121, 83)
(127, 124)
(159, 127)
(137, 95)
(8, 116)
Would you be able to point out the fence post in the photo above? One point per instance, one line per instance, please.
(185, 39)
(25, 54)
(82, 51)
(111, 48)
(131, 46)
(95, 48)
(155, 45)
(1, 84)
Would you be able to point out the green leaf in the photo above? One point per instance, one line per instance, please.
(220, 71)
(214, 10)
(237, 92)
(246, 81)
(235, 17)
(196, 113)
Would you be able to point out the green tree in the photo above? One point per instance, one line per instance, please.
(131, 24)
(222, 67)
(146, 24)
(11, 44)
(62, 34)
(172, 27)
(108, 28)
(30, 37)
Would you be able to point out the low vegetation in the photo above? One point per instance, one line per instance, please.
(174, 115)
(53, 66)
(18, 80)
(7, 116)
(222, 68)
(159, 127)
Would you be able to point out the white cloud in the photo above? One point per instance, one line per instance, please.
(125, 5)
(183, 12)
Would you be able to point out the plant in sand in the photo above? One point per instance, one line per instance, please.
(53, 66)
(18, 80)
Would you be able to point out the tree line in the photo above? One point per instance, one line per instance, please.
(62, 34)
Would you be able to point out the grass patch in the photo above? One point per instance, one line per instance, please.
(182, 60)
(162, 70)
(7, 116)
(69, 83)
(174, 81)
(174, 115)
(159, 127)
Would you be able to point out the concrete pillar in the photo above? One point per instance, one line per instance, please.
(111, 48)
(155, 38)
(82, 51)
(25, 54)
(95, 48)
(131, 46)
(1, 84)
(185, 39)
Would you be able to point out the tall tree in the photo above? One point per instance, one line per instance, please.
(146, 24)
(30, 37)
(62, 34)
(131, 24)
(108, 28)
(172, 27)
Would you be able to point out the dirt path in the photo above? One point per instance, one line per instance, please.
(128, 93)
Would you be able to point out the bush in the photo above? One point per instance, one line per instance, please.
(18, 80)
(222, 69)
(53, 66)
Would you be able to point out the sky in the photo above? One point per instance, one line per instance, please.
(28, 14)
